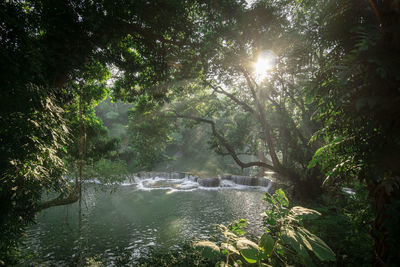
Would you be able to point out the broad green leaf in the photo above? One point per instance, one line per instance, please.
(316, 245)
(281, 197)
(299, 211)
(248, 249)
(290, 237)
(208, 249)
(250, 255)
(266, 243)
(268, 198)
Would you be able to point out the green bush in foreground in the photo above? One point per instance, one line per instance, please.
(285, 239)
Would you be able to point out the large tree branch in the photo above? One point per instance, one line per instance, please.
(267, 132)
(228, 154)
(72, 197)
(225, 143)
(243, 104)
(250, 83)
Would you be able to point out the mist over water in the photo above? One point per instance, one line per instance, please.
(142, 214)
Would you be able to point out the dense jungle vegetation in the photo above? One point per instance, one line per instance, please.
(309, 90)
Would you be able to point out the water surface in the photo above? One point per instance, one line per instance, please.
(155, 213)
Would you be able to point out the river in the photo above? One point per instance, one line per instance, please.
(148, 213)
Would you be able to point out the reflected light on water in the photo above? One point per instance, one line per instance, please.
(170, 192)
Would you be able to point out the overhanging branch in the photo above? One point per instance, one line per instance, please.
(61, 200)
(225, 143)
(243, 104)
(267, 130)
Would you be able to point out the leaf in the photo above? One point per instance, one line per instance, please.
(290, 237)
(269, 199)
(316, 245)
(229, 247)
(302, 212)
(248, 249)
(225, 231)
(244, 243)
(281, 197)
(266, 243)
(250, 255)
(237, 227)
(208, 249)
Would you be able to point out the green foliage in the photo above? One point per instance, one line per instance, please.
(55, 54)
(284, 241)
(107, 171)
(208, 249)
(346, 222)
(287, 224)
(115, 117)
(334, 94)
(33, 142)
(149, 135)
(358, 98)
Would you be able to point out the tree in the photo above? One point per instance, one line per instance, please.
(359, 99)
(45, 48)
(279, 118)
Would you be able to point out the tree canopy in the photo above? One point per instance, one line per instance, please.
(325, 113)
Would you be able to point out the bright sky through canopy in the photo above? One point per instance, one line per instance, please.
(265, 62)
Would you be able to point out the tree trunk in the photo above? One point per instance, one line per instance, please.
(305, 189)
(386, 226)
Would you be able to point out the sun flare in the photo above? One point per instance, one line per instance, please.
(265, 62)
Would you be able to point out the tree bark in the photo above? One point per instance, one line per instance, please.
(72, 197)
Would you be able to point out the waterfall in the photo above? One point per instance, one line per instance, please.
(180, 181)
(169, 175)
(246, 180)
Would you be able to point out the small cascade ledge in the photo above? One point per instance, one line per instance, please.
(222, 181)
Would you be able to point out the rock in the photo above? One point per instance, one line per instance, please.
(177, 175)
(263, 181)
(192, 177)
(250, 181)
(209, 182)
(225, 177)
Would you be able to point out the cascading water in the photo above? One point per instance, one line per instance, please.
(187, 182)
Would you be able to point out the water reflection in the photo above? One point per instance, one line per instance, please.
(132, 221)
